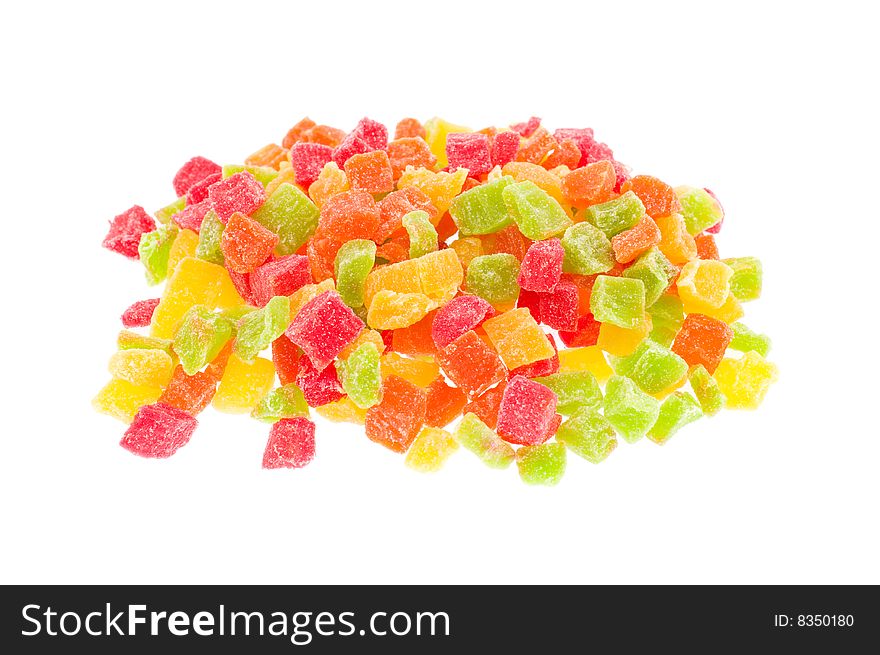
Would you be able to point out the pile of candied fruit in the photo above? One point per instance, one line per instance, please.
(513, 291)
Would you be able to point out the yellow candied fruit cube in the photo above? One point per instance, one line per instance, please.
(402, 277)
(436, 131)
(440, 275)
(184, 245)
(619, 341)
(494, 174)
(331, 181)
(420, 371)
(586, 358)
(730, 312)
(243, 384)
(308, 292)
(343, 411)
(430, 450)
(705, 282)
(745, 381)
(193, 282)
(148, 367)
(440, 187)
(285, 175)
(121, 399)
(675, 241)
(366, 336)
(467, 248)
(518, 338)
(390, 310)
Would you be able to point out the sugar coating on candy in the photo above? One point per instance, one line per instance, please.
(477, 437)
(745, 283)
(291, 215)
(586, 333)
(471, 364)
(618, 300)
(559, 308)
(627, 245)
(745, 339)
(413, 152)
(441, 187)
(527, 411)
(678, 410)
(318, 387)
(199, 191)
(307, 161)
(243, 384)
(493, 277)
(342, 411)
(142, 366)
(279, 278)
(706, 390)
(573, 390)
(370, 171)
(629, 410)
(618, 215)
(470, 151)
(154, 251)
(158, 430)
(444, 403)
(541, 367)
(482, 210)
(659, 198)
(420, 371)
(504, 147)
(704, 283)
(518, 338)
(457, 317)
(588, 434)
(430, 450)
(246, 244)
(353, 263)
(284, 402)
(238, 193)
(702, 340)
(527, 128)
(258, 329)
(541, 268)
(543, 464)
(587, 250)
(127, 339)
(200, 337)
(589, 185)
(652, 367)
(675, 241)
(362, 376)
(193, 172)
(700, 209)
(139, 313)
(655, 271)
(667, 315)
(397, 419)
(191, 393)
(291, 444)
(126, 230)
(745, 381)
(390, 310)
(585, 358)
(323, 327)
(285, 357)
(537, 215)
(409, 127)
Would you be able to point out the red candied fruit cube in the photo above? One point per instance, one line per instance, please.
(446, 229)
(193, 172)
(323, 327)
(527, 412)
(126, 229)
(396, 205)
(541, 266)
(158, 430)
(542, 367)
(242, 284)
(246, 244)
(586, 333)
(559, 308)
(237, 193)
(504, 147)
(416, 339)
(199, 191)
(279, 278)
(370, 171)
(318, 387)
(373, 133)
(486, 405)
(444, 403)
(140, 313)
(307, 161)
(190, 393)
(409, 127)
(531, 300)
(471, 364)
(702, 340)
(409, 151)
(396, 420)
(528, 128)
(286, 356)
(457, 317)
(291, 444)
(191, 217)
(470, 151)
(351, 145)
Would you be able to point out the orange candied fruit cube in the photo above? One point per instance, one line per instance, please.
(630, 244)
(396, 420)
(702, 340)
(567, 154)
(270, 155)
(658, 197)
(590, 185)
(706, 247)
(444, 403)
(370, 171)
(191, 393)
(295, 133)
(536, 148)
(675, 241)
(409, 127)
(410, 151)
(324, 134)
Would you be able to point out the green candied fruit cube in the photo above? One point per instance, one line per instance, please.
(290, 214)
(481, 440)
(210, 237)
(667, 315)
(655, 271)
(699, 208)
(744, 340)
(651, 366)
(422, 233)
(164, 215)
(587, 250)
(154, 249)
(128, 340)
(353, 264)
(747, 278)
(362, 376)
(618, 215)
(677, 410)
(619, 301)
(263, 174)
(574, 390)
(481, 210)
(630, 410)
(284, 402)
(200, 337)
(706, 390)
(542, 464)
(537, 215)
(493, 277)
(588, 434)
(259, 328)
(236, 313)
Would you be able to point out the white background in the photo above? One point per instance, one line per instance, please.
(771, 105)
